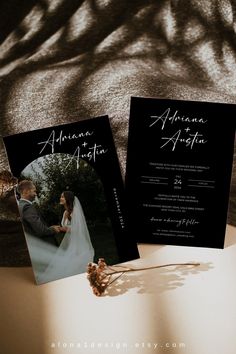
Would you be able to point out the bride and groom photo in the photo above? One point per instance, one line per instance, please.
(65, 217)
(52, 259)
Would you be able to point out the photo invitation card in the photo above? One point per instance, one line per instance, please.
(70, 196)
(179, 165)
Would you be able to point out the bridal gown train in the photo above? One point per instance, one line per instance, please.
(70, 258)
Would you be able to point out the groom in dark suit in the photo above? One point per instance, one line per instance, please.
(31, 219)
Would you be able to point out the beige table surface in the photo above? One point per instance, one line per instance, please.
(169, 310)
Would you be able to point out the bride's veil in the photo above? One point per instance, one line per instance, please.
(70, 258)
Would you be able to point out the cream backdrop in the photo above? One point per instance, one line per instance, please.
(177, 310)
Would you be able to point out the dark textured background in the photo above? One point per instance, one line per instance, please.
(65, 60)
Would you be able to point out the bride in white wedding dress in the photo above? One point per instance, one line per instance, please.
(75, 250)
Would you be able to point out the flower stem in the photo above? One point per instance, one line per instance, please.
(116, 277)
(153, 267)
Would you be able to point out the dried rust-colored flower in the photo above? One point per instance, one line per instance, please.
(97, 277)
(100, 275)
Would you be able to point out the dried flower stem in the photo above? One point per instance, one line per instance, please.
(100, 275)
(146, 268)
(109, 283)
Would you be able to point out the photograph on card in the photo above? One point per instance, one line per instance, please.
(70, 197)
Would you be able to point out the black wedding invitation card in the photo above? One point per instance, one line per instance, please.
(178, 175)
(71, 197)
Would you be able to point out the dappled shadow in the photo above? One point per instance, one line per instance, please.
(164, 24)
(155, 281)
(49, 24)
(86, 36)
(12, 13)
